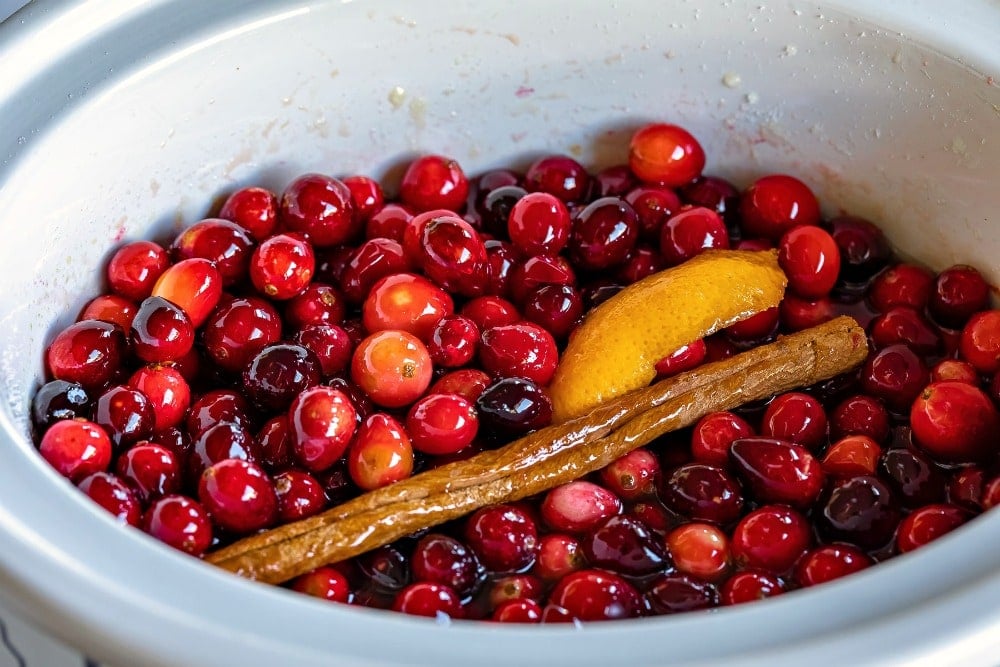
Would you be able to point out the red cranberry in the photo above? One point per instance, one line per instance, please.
(239, 496)
(955, 370)
(755, 328)
(222, 242)
(864, 250)
(774, 204)
(828, 562)
(325, 583)
(556, 308)
(299, 495)
(798, 314)
(179, 522)
(539, 224)
(380, 454)
(959, 292)
(901, 285)
(366, 195)
(331, 345)
(689, 232)
(749, 586)
(114, 495)
(433, 181)
(777, 471)
(282, 266)
(406, 302)
(161, 331)
(980, 342)
(487, 312)
(558, 555)
(955, 422)
(453, 255)
(712, 192)
(110, 308)
(538, 271)
(862, 511)
(700, 550)
(896, 375)
(703, 492)
(151, 470)
(593, 595)
(519, 350)
(518, 611)
(373, 260)
(906, 326)
(441, 559)
(87, 353)
(194, 285)
(254, 209)
(76, 448)
(225, 440)
(577, 507)
(633, 475)
(272, 447)
(168, 392)
(469, 383)
(316, 304)
(442, 424)
(642, 263)
(796, 417)
(653, 206)
(624, 546)
(504, 538)
(515, 587)
(685, 358)
(392, 367)
(675, 593)
(604, 233)
(558, 175)
(389, 222)
(714, 434)
(321, 208)
(927, 524)
(613, 181)
(135, 267)
(965, 488)
(322, 422)
(125, 414)
(665, 154)
(237, 330)
(496, 206)
(215, 406)
(852, 455)
(57, 400)
(810, 258)
(279, 373)
(771, 538)
(428, 599)
(860, 415)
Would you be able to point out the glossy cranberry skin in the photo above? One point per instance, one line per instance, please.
(702, 492)
(700, 550)
(771, 538)
(901, 285)
(811, 259)
(76, 448)
(518, 611)
(642, 263)
(321, 208)
(980, 342)
(504, 538)
(958, 292)
(522, 350)
(852, 455)
(389, 222)
(798, 313)
(444, 560)
(965, 488)
(272, 446)
(194, 285)
(135, 267)
(928, 523)
(385, 567)
(536, 272)
(392, 367)
(675, 593)
(665, 154)
(912, 476)
(279, 373)
(748, 586)
(653, 206)
(613, 181)
(168, 392)
(282, 266)
(254, 209)
(860, 415)
(433, 181)
(515, 587)
(453, 256)
(828, 562)
(774, 204)
(487, 312)
(370, 262)
(604, 233)
(864, 250)
(151, 470)
(777, 471)
(906, 326)
(325, 583)
(453, 341)
(87, 353)
(685, 358)
(496, 205)
(860, 510)
(110, 308)
(558, 555)
(593, 595)
(796, 417)
(322, 422)
(57, 400)
(299, 495)
(755, 328)
(469, 383)
(224, 243)
(578, 506)
(406, 302)
(538, 224)
(225, 440)
(428, 599)
(125, 414)
(955, 422)
(366, 195)
(113, 495)
(442, 424)
(633, 475)
(238, 329)
(625, 546)
(713, 435)
(712, 192)
(896, 375)
(179, 522)
(318, 303)
(160, 331)
(239, 496)
(689, 232)
(558, 175)
(955, 370)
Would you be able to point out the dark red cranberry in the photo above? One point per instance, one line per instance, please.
(514, 406)
(965, 488)
(862, 511)
(503, 537)
(239, 496)
(774, 204)
(330, 343)
(927, 524)
(864, 250)
(331, 263)
(604, 233)
(278, 373)
(389, 222)
(624, 545)
(176, 440)
(321, 208)
(771, 538)
(151, 470)
(160, 331)
(675, 593)
(428, 599)
(254, 209)
(715, 193)
(326, 583)
(914, 479)
(828, 562)
(87, 353)
(317, 304)
(114, 495)
(135, 267)
(665, 154)
(366, 195)
(593, 595)
(385, 567)
(556, 308)
(497, 205)
(453, 256)
(798, 313)
(777, 471)
(653, 206)
(57, 400)
(703, 492)
(272, 447)
(860, 415)
(901, 285)
(225, 440)
(300, 495)
(896, 375)
(796, 417)
(432, 182)
(642, 263)
(125, 414)
(713, 435)
(220, 241)
(237, 330)
(558, 175)
(956, 422)
(749, 586)
(689, 232)
(907, 326)
(215, 406)
(373, 260)
(441, 559)
(613, 181)
(959, 292)
(76, 448)
(536, 272)
(501, 259)
(179, 522)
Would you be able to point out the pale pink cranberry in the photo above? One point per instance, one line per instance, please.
(700, 550)
(577, 507)
(633, 475)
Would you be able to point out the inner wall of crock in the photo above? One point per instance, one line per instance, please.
(877, 125)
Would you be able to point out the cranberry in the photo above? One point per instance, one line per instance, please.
(444, 560)
(176, 440)
(959, 292)
(901, 285)
(238, 329)
(87, 353)
(558, 175)
(168, 392)
(518, 611)
(905, 325)
(755, 328)
(955, 370)
(859, 415)
(852, 455)
(428, 599)
(151, 470)
(712, 192)
(225, 440)
(965, 488)
(515, 587)
(749, 586)
(980, 342)
(279, 373)
(577, 507)
(110, 308)
(774, 204)
(380, 454)
(135, 267)
(497, 205)
(331, 345)
(322, 421)
(57, 400)
(633, 475)
(500, 260)
(864, 250)
(179, 522)
(896, 375)
(689, 232)
(282, 266)
(914, 479)
(536, 272)
(76, 448)
(955, 422)
(654, 515)
(927, 524)
(453, 255)
(317, 304)
(777, 471)
(299, 495)
(798, 314)
(469, 383)
(222, 242)
(700, 550)
(613, 181)
(254, 209)
(604, 233)
(325, 583)
(796, 417)
(392, 367)
(442, 424)
(593, 595)
(519, 350)
(653, 206)
(503, 537)
(125, 414)
(828, 562)
(862, 511)
(272, 447)
(321, 208)
(703, 492)
(385, 567)
(433, 181)
(161, 331)
(239, 496)
(194, 285)
(810, 258)
(624, 546)
(372, 261)
(713, 435)
(558, 555)
(685, 358)
(675, 593)
(539, 224)
(642, 263)
(665, 154)
(215, 406)
(771, 538)
(388, 223)
(487, 312)
(366, 195)
(406, 302)
(113, 495)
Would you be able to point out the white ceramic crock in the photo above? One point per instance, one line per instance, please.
(125, 119)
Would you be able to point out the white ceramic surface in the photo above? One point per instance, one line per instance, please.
(126, 119)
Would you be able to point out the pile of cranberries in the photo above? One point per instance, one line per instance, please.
(302, 348)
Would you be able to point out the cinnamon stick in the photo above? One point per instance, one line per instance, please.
(547, 458)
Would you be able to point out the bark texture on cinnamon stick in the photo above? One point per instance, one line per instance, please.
(547, 458)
